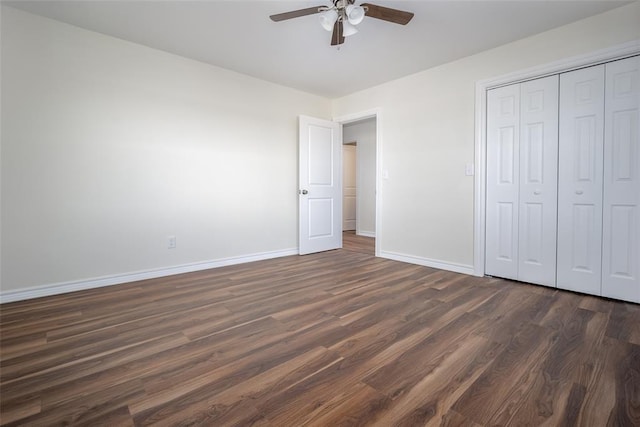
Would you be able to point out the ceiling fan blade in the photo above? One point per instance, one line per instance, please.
(337, 37)
(295, 13)
(387, 14)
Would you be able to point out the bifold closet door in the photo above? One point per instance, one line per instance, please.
(503, 175)
(522, 147)
(621, 213)
(580, 180)
(538, 202)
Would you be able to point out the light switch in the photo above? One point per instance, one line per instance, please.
(468, 169)
(385, 174)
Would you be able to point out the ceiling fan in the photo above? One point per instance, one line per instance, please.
(344, 15)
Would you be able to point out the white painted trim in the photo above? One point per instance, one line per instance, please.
(593, 58)
(356, 117)
(377, 114)
(366, 233)
(98, 282)
(426, 262)
(379, 195)
(480, 179)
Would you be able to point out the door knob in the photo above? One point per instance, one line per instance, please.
(304, 192)
(537, 192)
(578, 192)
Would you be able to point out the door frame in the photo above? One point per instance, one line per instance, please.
(480, 146)
(356, 117)
(353, 145)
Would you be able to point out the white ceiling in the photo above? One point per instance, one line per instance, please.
(238, 35)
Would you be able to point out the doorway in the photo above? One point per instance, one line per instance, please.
(359, 179)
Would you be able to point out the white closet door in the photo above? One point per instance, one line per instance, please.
(503, 133)
(580, 180)
(621, 225)
(538, 181)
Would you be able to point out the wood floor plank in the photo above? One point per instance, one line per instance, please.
(627, 379)
(399, 376)
(194, 405)
(600, 402)
(19, 409)
(361, 245)
(431, 398)
(542, 395)
(487, 397)
(575, 401)
(507, 325)
(39, 382)
(623, 323)
(358, 405)
(454, 419)
(88, 409)
(335, 338)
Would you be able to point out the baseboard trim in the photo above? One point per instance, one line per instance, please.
(98, 282)
(426, 262)
(366, 233)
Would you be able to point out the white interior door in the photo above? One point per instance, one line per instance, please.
(621, 211)
(349, 187)
(580, 175)
(538, 206)
(503, 134)
(320, 181)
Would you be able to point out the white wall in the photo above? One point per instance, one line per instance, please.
(364, 134)
(109, 147)
(428, 136)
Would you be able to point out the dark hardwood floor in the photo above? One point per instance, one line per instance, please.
(364, 245)
(336, 338)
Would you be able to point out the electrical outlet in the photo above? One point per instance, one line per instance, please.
(171, 242)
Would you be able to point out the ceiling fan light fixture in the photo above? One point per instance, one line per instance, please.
(328, 19)
(342, 16)
(355, 14)
(348, 29)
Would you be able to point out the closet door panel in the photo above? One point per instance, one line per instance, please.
(503, 133)
(621, 213)
(538, 181)
(580, 180)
